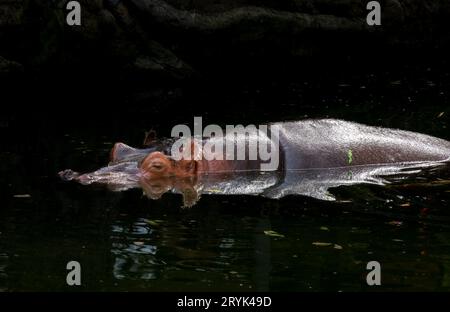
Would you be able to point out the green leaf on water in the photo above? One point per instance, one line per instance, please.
(324, 228)
(154, 222)
(273, 233)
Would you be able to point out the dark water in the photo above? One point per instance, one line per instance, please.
(126, 242)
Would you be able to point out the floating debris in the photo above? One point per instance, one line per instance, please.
(273, 233)
(324, 228)
(154, 222)
(396, 223)
(22, 196)
(440, 114)
(322, 244)
(338, 247)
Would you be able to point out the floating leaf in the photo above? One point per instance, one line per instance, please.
(322, 244)
(396, 223)
(324, 228)
(344, 201)
(273, 233)
(440, 114)
(405, 205)
(339, 247)
(154, 222)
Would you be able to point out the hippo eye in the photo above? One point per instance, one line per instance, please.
(157, 166)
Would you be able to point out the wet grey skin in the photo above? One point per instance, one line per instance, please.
(315, 155)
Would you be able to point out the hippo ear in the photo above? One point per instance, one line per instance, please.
(150, 138)
(120, 152)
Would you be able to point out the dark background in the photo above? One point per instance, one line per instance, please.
(138, 63)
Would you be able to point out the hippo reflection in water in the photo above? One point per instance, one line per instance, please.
(314, 156)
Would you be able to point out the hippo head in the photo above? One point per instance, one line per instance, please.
(158, 165)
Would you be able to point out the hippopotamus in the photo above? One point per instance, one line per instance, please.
(313, 156)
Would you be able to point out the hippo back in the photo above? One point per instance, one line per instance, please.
(329, 143)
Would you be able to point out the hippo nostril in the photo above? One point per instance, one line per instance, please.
(68, 175)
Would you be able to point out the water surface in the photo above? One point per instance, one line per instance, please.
(126, 242)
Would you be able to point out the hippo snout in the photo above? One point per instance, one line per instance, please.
(68, 175)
